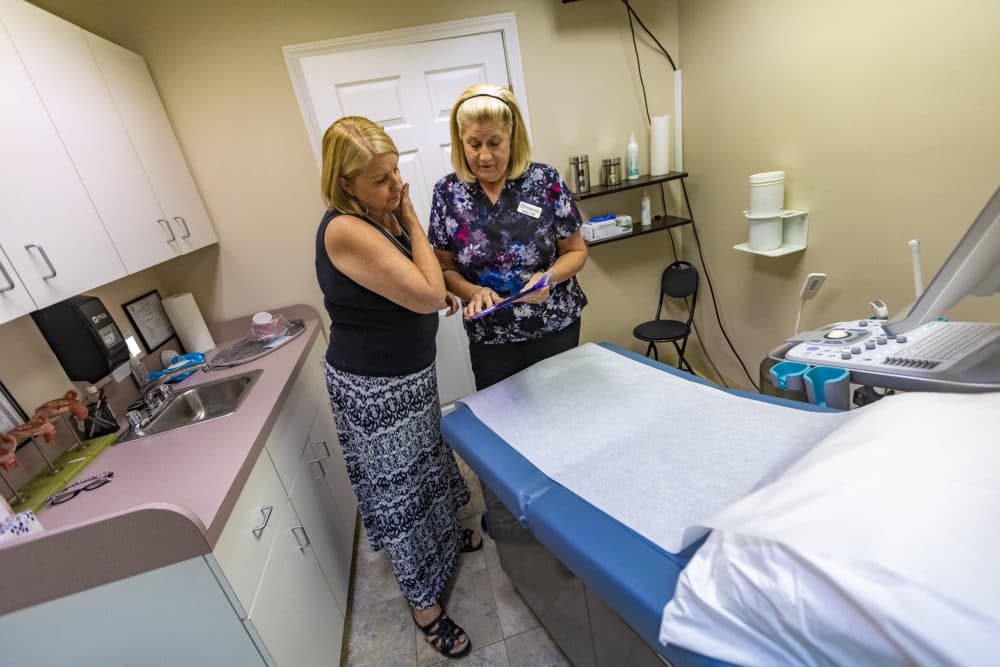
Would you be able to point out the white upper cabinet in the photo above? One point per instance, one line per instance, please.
(66, 76)
(51, 235)
(142, 112)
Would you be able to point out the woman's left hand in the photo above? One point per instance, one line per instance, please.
(535, 297)
(452, 303)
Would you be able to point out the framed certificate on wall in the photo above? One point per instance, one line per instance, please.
(149, 320)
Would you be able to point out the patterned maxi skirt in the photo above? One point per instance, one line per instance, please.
(404, 475)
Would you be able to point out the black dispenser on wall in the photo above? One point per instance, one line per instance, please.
(84, 336)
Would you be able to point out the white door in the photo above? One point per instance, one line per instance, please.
(409, 90)
(139, 105)
(48, 226)
(73, 90)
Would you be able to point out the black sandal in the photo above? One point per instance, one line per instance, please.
(467, 545)
(443, 634)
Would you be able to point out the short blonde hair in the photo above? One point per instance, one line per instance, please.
(348, 145)
(488, 103)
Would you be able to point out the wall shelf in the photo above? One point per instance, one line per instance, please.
(794, 234)
(660, 222)
(641, 182)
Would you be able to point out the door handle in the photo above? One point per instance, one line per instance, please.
(326, 451)
(319, 466)
(187, 230)
(266, 511)
(10, 281)
(166, 225)
(45, 256)
(302, 547)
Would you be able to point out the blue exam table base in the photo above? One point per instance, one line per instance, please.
(598, 587)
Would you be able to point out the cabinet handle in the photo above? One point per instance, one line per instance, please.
(45, 256)
(326, 451)
(266, 511)
(166, 225)
(10, 281)
(187, 230)
(322, 471)
(302, 547)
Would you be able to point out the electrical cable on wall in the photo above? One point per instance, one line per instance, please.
(711, 288)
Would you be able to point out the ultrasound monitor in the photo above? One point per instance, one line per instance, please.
(972, 269)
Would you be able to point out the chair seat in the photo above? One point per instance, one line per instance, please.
(660, 330)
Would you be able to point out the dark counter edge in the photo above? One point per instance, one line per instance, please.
(121, 546)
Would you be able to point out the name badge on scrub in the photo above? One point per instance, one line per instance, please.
(529, 209)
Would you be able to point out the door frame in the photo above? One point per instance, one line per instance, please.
(505, 24)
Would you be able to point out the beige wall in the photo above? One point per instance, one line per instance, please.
(883, 116)
(219, 69)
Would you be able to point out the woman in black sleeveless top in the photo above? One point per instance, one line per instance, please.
(382, 287)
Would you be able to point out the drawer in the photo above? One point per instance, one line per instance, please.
(246, 540)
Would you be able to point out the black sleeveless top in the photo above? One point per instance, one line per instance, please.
(369, 334)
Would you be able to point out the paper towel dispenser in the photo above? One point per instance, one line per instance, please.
(84, 336)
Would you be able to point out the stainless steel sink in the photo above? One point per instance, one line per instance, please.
(198, 404)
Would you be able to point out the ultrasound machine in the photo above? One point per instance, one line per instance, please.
(921, 351)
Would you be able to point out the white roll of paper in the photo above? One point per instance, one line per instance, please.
(188, 323)
(659, 146)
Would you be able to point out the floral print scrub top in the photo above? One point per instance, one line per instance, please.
(502, 245)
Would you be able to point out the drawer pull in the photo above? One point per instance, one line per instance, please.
(326, 451)
(305, 536)
(166, 225)
(266, 511)
(320, 470)
(187, 230)
(10, 281)
(45, 256)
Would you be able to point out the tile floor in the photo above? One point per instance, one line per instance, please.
(481, 599)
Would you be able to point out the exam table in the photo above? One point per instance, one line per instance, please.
(597, 586)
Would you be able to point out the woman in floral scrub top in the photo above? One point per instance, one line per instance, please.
(498, 224)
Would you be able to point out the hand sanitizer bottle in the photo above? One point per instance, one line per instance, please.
(646, 211)
(632, 159)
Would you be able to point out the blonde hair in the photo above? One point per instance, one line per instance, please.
(348, 145)
(488, 103)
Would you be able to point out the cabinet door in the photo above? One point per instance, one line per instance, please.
(325, 446)
(48, 226)
(332, 544)
(67, 78)
(294, 612)
(291, 428)
(250, 532)
(14, 299)
(139, 104)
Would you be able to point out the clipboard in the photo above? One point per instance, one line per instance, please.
(542, 283)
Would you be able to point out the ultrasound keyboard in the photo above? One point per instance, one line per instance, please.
(927, 351)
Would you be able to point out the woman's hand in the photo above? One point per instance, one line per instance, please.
(407, 214)
(535, 297)
(451, 303)
(481, 299)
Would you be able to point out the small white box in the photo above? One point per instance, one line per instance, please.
(598, 231)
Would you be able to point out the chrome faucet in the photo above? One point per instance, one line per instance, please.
(155, 396)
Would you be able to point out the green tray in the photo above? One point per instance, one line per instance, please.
(43, 485)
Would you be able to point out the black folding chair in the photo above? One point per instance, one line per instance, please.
(680, 281)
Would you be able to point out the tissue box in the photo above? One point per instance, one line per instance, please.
(24, 523)
(596, 231)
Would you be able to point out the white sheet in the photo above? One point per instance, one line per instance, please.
(656, 452)
(878, 547)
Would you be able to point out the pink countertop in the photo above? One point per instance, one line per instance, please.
(171, 494)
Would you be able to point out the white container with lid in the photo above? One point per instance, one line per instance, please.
(767, 193)
(765, 231)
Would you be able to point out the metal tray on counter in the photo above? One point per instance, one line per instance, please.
(249, 349)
